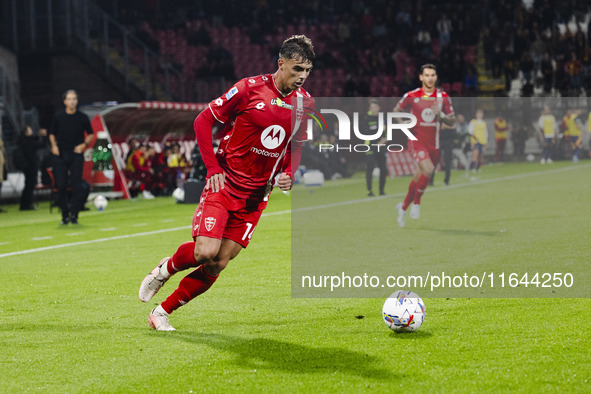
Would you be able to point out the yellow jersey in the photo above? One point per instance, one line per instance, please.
(501, 128)
(547, 123)
(478, 132)
(572, 127)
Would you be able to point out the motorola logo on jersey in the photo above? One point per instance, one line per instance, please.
(428, 115)
(272, 136)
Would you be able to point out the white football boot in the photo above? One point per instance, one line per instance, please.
(401, 219)
(153, 282)
(148, 195)
(415, 211)
(159, 321)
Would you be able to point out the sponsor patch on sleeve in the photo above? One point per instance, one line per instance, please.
(231, 93)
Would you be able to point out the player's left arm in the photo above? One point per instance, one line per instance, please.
(291, 162)
(293, 153)
(579, 124)
(448, 120)
(87, 140)
(446, 115)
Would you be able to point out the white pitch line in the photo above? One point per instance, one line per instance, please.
(140, 225)
(109, 229)
(41, 238)
(4, 243)
(500, 179)
(92, 241)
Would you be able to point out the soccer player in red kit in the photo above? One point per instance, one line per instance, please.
(261, 116)
(431, 106)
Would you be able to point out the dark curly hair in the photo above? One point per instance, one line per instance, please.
(298, 48)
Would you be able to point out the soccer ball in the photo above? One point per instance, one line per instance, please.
(100, 202)
(179, 194)
(403, 311)
(530, 157)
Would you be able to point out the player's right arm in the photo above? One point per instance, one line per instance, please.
(220, 110)
(471, 128)
(203, 126)
(55, 150)
(402, 106)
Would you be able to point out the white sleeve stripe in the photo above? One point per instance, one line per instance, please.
(213, 113)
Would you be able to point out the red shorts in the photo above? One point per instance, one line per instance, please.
(221, 215)
(420, 152)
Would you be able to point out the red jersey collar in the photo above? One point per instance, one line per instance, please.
(279, 91)
(428, 95)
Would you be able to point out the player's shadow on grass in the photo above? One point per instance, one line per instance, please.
(258, 353)
(410, 336)
(455, 231)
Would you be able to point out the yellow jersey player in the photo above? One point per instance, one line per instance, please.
(478, 137)
(547, 126)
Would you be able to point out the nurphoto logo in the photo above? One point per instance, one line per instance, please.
(395, 121)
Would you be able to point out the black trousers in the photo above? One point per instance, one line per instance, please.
(376, 160)
(67, 171)
(30, 183)
(447, 148)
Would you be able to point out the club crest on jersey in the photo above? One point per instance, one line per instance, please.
(272, 136)
(231, 93)
(209, 223)
(299, 114)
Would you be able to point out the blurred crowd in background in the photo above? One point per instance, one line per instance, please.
(364, 48)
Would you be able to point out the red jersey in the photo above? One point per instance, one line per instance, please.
(258, 124)
(421, 106)
(139, 162)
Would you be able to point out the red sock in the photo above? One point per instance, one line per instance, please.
(421, 186)
(410, 195)
(197, 282)
(183, 258)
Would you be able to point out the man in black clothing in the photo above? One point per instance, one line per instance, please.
(29, 144)
(375, 157)
(69, 136)
(447, 139)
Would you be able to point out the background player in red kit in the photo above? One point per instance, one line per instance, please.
(431, 107)
(261, 116)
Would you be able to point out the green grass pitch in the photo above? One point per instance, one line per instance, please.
(71, 321)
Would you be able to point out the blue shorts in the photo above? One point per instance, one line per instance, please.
(478, 146)
(548, 140)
